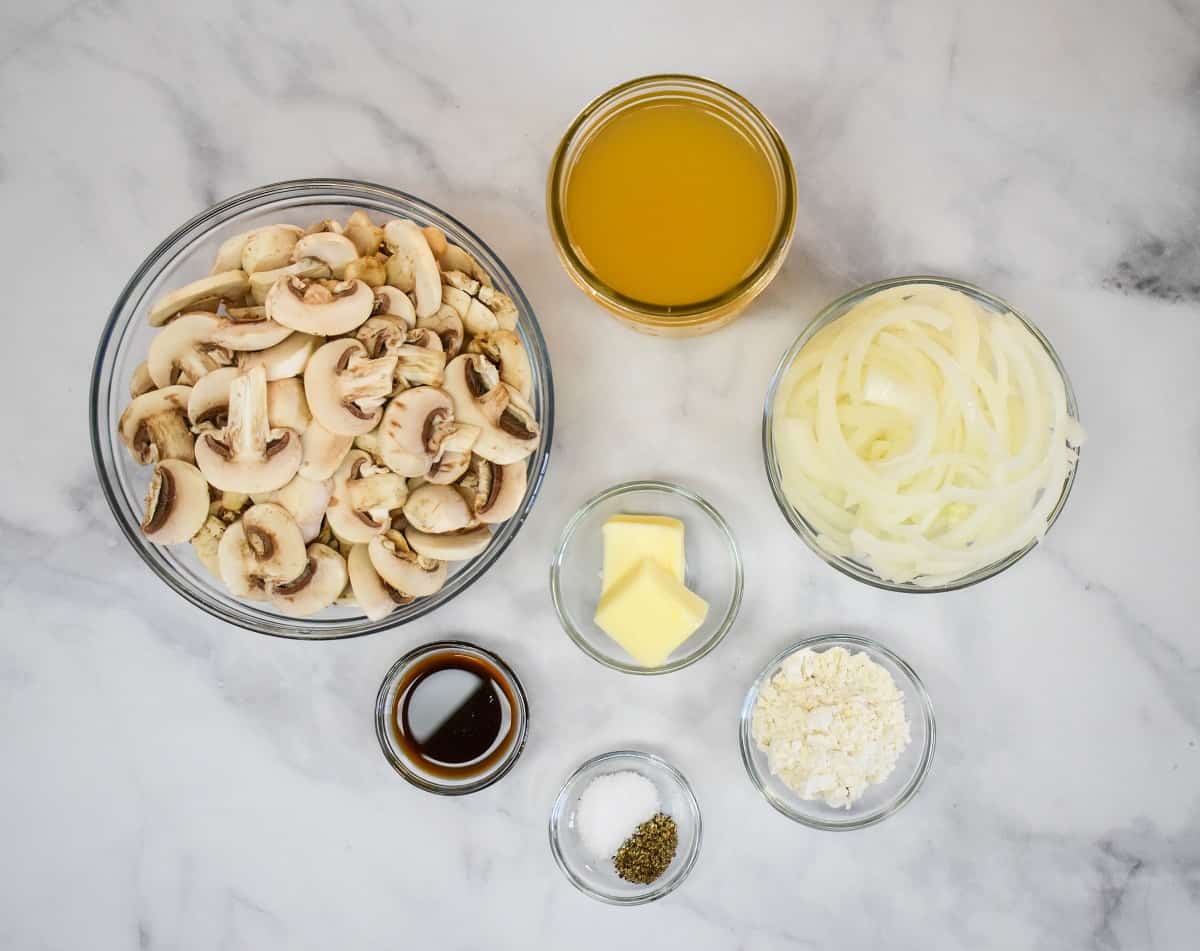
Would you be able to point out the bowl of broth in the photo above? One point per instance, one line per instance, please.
(672, 202)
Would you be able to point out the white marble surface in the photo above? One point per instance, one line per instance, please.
(169, 782)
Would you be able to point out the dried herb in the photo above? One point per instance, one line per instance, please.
(648, 852)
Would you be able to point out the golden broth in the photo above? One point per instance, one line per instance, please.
(670, 204)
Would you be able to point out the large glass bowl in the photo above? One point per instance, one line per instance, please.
(186, 255)
(856, 568)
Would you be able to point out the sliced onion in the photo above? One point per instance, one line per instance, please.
(924, 436)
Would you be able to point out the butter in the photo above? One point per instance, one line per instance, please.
(649, 612)
(630, 538)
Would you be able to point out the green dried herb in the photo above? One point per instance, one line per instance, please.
(648, 852)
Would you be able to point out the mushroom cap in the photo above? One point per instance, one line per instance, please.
(402, 568)
(266, 249)
(262, 282)
(366, 235)
(454, 258)
(176, 503)
(508, 429)
(248, 328)
(514, 436)
(140, 382)
(438, 508)
(229, 254)
(393, 302)
(183, 352)
(504, 348)
(449, 328)
(498, 490)
(455, 456)
(345, 388)
(450, 546)
(313, 308)
(408, 244)
(230, 285)
(208, 404)
(334, 250)
(286, 406)
(322, 452)
(247, 455)
(412, 429)
(285, 359)
(349, 524)
(375, 596)
(262, 548)
(318, 586)
(154, 426)
(305, 501)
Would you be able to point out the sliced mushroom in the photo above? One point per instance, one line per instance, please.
(154, 426)
(141, 382)
(481, 307)
(393, 302)
(346, 388)
(449, 327)
(375, 596)
(495, 492)
(376, 488)
(454, 258)
(450, 546)
(402, 568)
(413, 428)
(349, 524)
(229, 254)
(436, 239)
(420, 360)
(261, 283)
(229, 286)
(313, 308)
(183, 351)
(369, 443)
(269, 248)
(283, 360)
(322, 452)
(366, 235)
(248, 328)
(206, 544)
(325, 224)
(335, 250)
(455, 456)
(504, 348)
(305, 500)
(262, 548)
(412, 256)
(208, 404)
(438, 508)
(176, 503)
(508, 429)
(248, 455)
(371, 270)
(317, 587)
(286, 406)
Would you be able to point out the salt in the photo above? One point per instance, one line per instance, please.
(611, 809)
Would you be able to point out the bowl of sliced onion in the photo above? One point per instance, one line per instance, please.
(921, 435)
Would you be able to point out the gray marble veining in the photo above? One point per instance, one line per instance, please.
(169, 782)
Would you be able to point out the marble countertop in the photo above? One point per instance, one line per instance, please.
(171, 782)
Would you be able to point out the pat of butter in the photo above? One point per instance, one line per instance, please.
(650, 612)
(630, 538)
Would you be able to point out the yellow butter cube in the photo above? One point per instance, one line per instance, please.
(630, 538)
(650, 612)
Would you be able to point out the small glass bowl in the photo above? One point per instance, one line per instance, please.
(504, 757)
(879, 801)
(705, 316)
(851, 566)
(185, 255)
(597, 877)
(714, 570)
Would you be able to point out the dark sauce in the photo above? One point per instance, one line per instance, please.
(452, 714)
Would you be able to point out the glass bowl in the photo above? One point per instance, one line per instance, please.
(186, 255)
(704, 316)
(853, 567)
(714, 571)
(597, 877)
(879, 801)
(406, 674)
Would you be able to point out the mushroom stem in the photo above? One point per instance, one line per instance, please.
(248, 427)
(368, 382)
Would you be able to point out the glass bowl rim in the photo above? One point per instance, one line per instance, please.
(701, 312)
(652, 893)
(398, 763)
(826, 316)
(747, 745)
(333, 191)
(568, 533)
